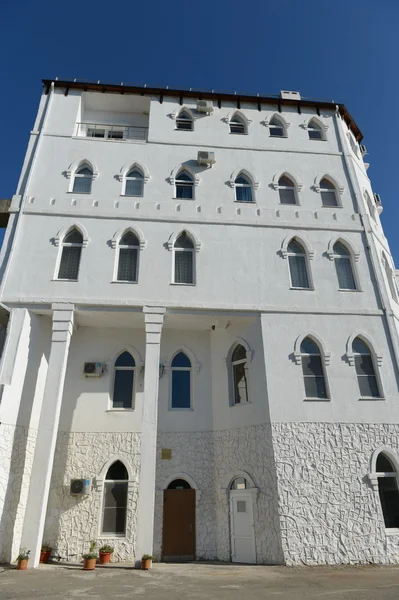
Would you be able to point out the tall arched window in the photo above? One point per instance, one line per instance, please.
(82, 180)
(364, 365)
(243, 189)
(184, 256)
(181, 381)
(286, 190)
(313, 370)
(115, 500)
(343, 266)
(328, 193)
(276, 127)
(314, 130)
(184, 186)
(297, 261)
(122, 396)
(237, 124)
(388, 490)
(70, 255)
(370, 206)
(128, 257)
(184, 121)
(134, 183)
(239, 367)
(390, 278)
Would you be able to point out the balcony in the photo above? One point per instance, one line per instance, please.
(109, 132)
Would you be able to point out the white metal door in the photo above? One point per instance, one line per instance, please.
(242, 527)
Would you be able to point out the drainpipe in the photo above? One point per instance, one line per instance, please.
(375, 263)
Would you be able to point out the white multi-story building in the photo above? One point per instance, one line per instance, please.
(202, 354)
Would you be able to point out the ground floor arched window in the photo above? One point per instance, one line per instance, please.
(115, 500)
(388, 490)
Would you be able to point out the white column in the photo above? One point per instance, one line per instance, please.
(47, 432)
(145, 510)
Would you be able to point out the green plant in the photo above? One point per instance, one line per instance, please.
(107, 549)
(23, 554)
(46, 548)
(146, 557)
(92, 553)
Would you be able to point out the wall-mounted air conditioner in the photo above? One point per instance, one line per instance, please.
(80, 487)
(93, 369)
(288, 95)
(206, 158)
(205, 106)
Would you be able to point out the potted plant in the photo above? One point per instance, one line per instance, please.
(22, 559)
(146, 561)
(45, 553)
(89, 559)
(105, 554)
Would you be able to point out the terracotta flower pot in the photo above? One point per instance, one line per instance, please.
(105, 558)
(146, 564)
(45, 556)
(89, 564)
(22, 564)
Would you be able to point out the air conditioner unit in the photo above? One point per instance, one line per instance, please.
(287, 95)
(206, 158)
(80, 487)
(93, 369)
(377, 199)
(363, 150)
(205, 106)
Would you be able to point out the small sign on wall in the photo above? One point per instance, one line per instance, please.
(166, 453)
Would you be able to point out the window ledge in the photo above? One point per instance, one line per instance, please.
(91, 139)
(107, 536)
(278, 137)
(190, 409)
(79, 193)
(129, 282)
(119, 410)
(186, 284)
(191, 199)
(325, 206)
(317, 399)
(240, 404)
(129, 196)
(244, 202)
(392, 531)
(68, 280)
(309, 289)
(371, 398)
(350, 291)
(294, 205)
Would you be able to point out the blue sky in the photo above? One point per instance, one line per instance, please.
(345, 51)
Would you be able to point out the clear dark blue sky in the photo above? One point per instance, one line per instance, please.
(342, 50)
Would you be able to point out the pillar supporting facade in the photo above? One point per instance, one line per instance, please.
(154, 317)
(35, 515)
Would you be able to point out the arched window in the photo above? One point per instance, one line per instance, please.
(184, 186)
(181, 381)
(239, 366)
(276, 127)
(70, 255)
(297, 261)
(354, 146)
(134, 183)
(184, 121)
(390, 278)
(286, 190)
(315, 131)
(184, 256)
(128, 257)
(313, 371)
(123, 381)
(388, 490)
(115, 500)
(179, 484)
(328, 193)
(343, 266)
(243, 189)
(237, 124)
(364, 365)
(239, 483)
(82, 180)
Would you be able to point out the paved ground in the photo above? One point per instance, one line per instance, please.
(202, 582)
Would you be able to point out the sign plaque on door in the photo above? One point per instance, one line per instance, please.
(166, 454)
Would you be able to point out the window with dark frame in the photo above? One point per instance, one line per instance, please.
(115, 500)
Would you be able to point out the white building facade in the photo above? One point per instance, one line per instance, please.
(209, 342)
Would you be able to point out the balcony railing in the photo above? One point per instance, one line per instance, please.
(111, 132)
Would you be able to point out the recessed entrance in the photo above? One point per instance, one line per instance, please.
(178, 543)
(242, 532)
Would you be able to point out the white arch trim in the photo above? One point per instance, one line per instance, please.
(176, 171)
(319, 122)
(181, 475)
(371, 346)
(186, 109)
(297, 182)
(195, 364)
(138, 359)
(73, 167)
(240, 114)
(252, 178)
(240, 342)
(307, 247)
(173, 237)
(100, 479)
(352, 250)
(279, 117)
(136, 165)
(338, 186)
(326, 355)
(117, 236)
(243, 474)
(62, 233)
(373, 474)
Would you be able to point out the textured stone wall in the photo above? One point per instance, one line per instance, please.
(329, 513)
(72, 521)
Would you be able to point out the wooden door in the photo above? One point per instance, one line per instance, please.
(178, 525)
